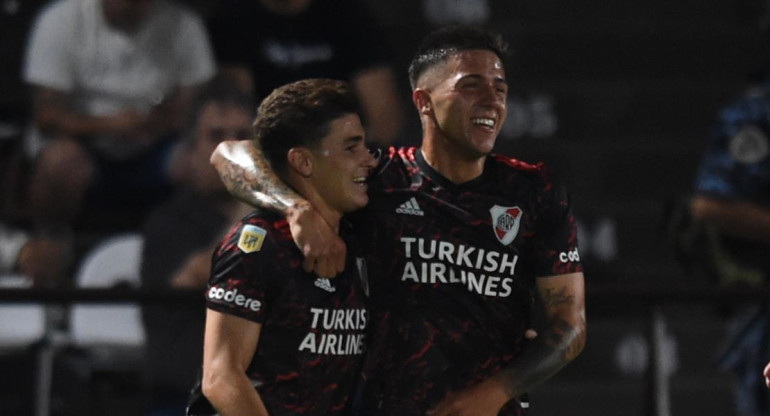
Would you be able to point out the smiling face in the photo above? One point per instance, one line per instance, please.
(341, 163)
(465, 97)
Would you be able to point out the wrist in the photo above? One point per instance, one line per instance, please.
(298, 210)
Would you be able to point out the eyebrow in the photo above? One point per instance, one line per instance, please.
(353, 139)
(476, 77)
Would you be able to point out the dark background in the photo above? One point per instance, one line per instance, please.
(618, 97)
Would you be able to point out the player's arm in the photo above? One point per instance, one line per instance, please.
(229, 346)
(249, 177)
(560, 341)
(742, 219)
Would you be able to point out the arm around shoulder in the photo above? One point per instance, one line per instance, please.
(738, 218)
(248, 176)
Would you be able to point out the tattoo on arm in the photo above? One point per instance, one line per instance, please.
(555, 298)
(250, 178)
(557, 345)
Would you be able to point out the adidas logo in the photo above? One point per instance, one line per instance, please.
(410, 207)
(325, 284)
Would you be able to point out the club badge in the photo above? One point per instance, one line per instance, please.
(505, 222)
(251, 238)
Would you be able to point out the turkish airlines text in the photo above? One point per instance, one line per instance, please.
(486, 272)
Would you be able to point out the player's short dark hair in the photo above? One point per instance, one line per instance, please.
(449, 40)
(298, 114)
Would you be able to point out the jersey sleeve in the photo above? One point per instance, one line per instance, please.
(241, 281)
(556, 242)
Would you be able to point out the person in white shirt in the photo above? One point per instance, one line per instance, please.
(111, 83)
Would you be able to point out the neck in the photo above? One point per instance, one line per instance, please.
(452, 163)
(309, 192)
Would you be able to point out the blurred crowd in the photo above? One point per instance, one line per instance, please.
(108, 87)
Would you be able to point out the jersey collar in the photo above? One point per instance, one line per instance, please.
(445, 183)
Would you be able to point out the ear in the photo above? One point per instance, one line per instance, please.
(421, 100)
(301, 161)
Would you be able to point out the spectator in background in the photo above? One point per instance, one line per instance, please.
(180, 237)
(111, 83)
(732, 202)
(268, 43)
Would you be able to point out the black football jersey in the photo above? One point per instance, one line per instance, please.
(452, 271)
(313, 336)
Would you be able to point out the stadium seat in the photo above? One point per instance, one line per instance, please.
(109, 331)
(20, 324)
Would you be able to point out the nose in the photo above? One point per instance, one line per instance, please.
(494, 100)
(376, 153)
(372, 157)
(492, 94)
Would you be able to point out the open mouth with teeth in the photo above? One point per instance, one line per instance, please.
(483, 121)
(361, 180)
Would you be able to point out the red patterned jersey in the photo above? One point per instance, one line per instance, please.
(313, 340)
(452, 271)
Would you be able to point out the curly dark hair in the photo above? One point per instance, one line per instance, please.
(298, 114)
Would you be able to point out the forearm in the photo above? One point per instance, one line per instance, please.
(562, 339)
(235, 396)
(542, 358)
(740, 219)
(559, 343)
(54, 115)
(250, 178)
(60, 121)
